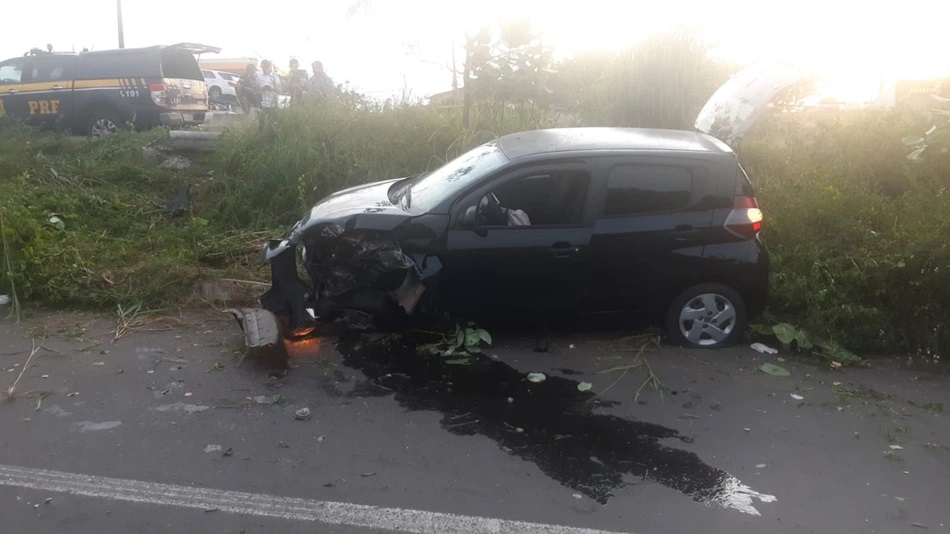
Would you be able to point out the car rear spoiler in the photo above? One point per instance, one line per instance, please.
(195, 48)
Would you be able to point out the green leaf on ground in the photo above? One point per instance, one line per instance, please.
(774, 370)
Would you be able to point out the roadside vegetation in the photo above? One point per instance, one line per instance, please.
(857, 231)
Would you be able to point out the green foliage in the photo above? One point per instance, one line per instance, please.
(857, 233)
(459, 345)
(661, 82)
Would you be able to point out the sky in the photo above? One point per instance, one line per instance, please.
(394, 48)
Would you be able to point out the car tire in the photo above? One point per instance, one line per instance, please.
(103, 122)
(214, 92)
(708, 316)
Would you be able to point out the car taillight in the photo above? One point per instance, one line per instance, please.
(745, 219)
(157, 91)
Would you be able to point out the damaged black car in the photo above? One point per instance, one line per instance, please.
(574, 220)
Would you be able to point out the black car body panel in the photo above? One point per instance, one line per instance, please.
(581, 252)
(557, 220)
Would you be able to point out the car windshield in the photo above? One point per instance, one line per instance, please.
(432, 189)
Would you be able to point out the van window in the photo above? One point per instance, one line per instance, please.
(634, 189)
(50, 69)
(12, 72)
(180, 64)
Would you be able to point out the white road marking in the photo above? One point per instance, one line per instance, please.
(334, 513)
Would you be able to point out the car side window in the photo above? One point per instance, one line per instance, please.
(11, 72)
(207, 74)
(542, 199)
(636, 189)
(49, 69)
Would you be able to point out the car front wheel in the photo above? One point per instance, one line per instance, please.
(707, 316)
(103, 123)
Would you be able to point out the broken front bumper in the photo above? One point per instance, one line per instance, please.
(370, 277)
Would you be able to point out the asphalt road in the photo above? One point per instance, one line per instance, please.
(167, 428)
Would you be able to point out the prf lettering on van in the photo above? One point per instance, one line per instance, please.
(43, 107)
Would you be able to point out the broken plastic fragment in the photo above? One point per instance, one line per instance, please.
(536, 377)
(774, 370)
(797, 397)
(761, 466)
(584, 386)
(57, 223)
(896, 447)
(213, 448)
(267, 399)
(302, 414)
(764, 349)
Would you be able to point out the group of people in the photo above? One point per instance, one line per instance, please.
(262, 89)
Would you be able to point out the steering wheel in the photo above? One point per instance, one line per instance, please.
(490, 212)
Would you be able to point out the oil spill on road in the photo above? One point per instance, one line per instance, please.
(551, 424)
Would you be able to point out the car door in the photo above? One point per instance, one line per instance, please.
(11, 81)
(507, 266)
(647, 237)
(48, 88)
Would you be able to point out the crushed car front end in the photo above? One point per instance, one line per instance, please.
(351, 248)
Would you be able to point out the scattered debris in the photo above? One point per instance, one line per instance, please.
(537, 378)
(747, 429)
(774, 370)
(584, 386)
(571, 346)
(578, 496)
(282, 445)
(797, 397)
(181, 407)
(90, 426)
(48, 500)
(227, 452)
(896, 447)
(302, 414)
(57, 223)
(764, 349)
(918, 525)
(268, 399)
(321, 439)
(761, 466)
(367, 475)
(213, 448)
(99, 364)
(188, 394)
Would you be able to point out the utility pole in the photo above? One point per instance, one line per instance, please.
(118, 8)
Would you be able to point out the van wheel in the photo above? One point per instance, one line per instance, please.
(708, 316)
(102, 123)
(214, 92)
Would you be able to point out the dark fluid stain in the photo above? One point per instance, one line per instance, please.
(569, 372)
(551, 424)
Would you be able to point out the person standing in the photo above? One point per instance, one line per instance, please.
(320, 83)
(246, 89)
(269, 84)
(295, 80)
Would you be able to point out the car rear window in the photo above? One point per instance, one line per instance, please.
(635, 189)
(180, 64)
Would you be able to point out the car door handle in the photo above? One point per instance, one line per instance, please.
(563, 249)
(684, 232)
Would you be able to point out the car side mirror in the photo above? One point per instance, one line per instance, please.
(469, 220)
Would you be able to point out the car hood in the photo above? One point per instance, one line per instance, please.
(732, 110)
(367, 206)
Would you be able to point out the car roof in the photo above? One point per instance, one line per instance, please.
(555, 140)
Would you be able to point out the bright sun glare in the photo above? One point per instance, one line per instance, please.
(387, 46)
